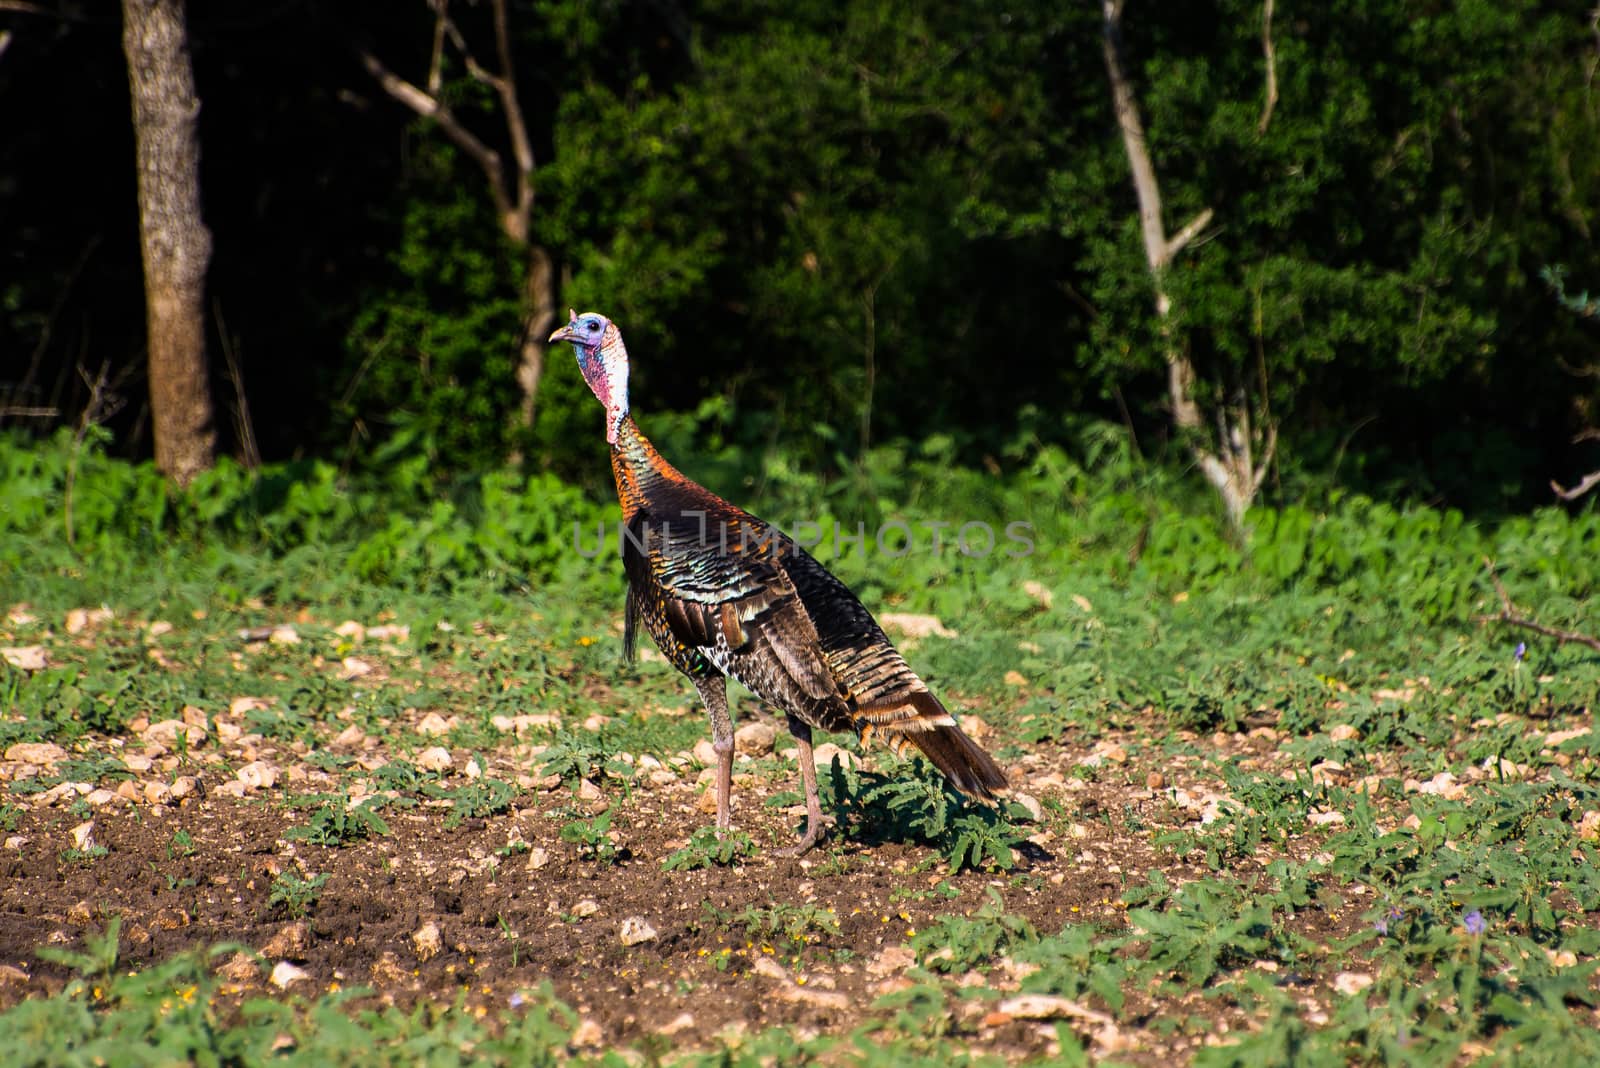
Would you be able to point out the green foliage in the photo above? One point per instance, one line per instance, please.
(336, 822)
(575, 757)
(788, 927)
(474, 800)
(593, 838)
(958, 944)
(99, 956)
(433, 352)
(296, 893)
(1204, 929)
(911, 802)
(709, 847)
(181, 844)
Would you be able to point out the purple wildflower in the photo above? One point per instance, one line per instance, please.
(1394, 915)
(1522, 651)
(517, 1000)
(1474, 922)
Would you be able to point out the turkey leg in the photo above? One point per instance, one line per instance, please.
(808, 778)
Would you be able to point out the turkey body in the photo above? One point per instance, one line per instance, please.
(724, 594)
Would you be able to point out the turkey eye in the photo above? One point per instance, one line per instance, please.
(593, 326)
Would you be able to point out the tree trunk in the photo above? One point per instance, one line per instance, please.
(540, 300)
(1227, 464)
(174, 240)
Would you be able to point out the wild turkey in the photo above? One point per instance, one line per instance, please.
(723, 593)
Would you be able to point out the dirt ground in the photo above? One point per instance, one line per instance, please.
(432, 912)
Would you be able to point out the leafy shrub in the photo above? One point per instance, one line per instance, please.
(708, 847)
(335, 822)
(958, 944)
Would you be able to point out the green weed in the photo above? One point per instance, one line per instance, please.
(788, 928)
(707, 848)
(593, 838)
(297, 894)
(335, 822)
(959, 943)
(477, 799)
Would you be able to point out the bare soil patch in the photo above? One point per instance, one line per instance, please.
(494, 906)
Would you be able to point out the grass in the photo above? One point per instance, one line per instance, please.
(1327, 892)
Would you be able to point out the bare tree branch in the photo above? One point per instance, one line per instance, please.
(1156, 248)
(1589, 482)
(511, 189)
(436, 58)
(429, 107)
(1508, 615)
(1270, 53)
(477, 71)
(1187, 234)
(516, 124)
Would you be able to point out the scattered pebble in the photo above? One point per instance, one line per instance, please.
(755, 739)
(435, 724)
(168, 731)
(291, 941)
(46, 754)
(913, 625)
(258, 775)
(26, 657)
(891, 960)
(1031, 803)
(436, 758)
(427, 941)
(823, 755)
(81, 619)
(353, 667)
(242, 967)
(1039, 592)
(285, 975)
(1351, 983)
(635, 930)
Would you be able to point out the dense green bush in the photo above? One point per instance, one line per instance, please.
(1091, 516)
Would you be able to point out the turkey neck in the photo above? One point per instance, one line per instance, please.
(643, 477)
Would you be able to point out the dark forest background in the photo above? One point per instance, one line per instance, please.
(826, 226)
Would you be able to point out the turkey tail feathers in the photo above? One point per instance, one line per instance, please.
(969, 769)
(920, 720)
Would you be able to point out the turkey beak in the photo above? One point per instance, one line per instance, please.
(565, 333)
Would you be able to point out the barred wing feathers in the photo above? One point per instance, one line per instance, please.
(735, 591)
